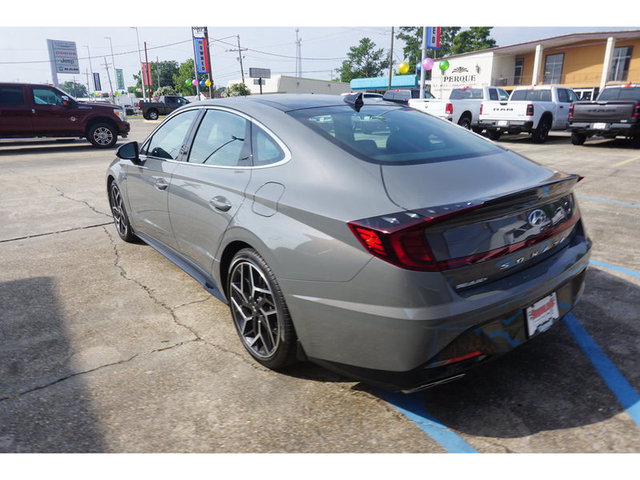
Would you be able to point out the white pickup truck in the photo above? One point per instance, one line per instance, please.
(534, 110)
(463, 105)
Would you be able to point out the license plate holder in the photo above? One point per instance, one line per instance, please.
(542, 314)
(599, 126)
(503, 123)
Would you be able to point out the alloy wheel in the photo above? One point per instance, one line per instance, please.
(117, 210)
(103, 136)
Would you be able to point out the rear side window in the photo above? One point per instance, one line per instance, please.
(11, 95)
(493, 94)
(532, 95)
(265, 149)
(393, 135)
(562, 96)
(628, 93)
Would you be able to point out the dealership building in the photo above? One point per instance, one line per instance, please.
(585, 62)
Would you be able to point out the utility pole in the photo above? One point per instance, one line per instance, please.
(113, 61)
(391, 59)
(298, 55)
(146, 61)
(90, 67)
(144, 90)
(423, 73)
(158, 69)
(239, 50)
(106, 65)
(88, 84)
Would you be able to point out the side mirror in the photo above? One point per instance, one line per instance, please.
(129, 151)
(66, 101)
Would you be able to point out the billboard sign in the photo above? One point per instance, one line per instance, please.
(119, 79)
(147, 78)
(433, 37)
(259, 73)
(97, 86)
(64, 56)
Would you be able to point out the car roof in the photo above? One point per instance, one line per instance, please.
(284, 102)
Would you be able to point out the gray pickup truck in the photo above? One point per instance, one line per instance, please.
(165, 105)
(615, 113)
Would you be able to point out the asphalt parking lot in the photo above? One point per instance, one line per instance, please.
(109, 347)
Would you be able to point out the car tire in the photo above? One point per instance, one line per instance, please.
(541, 133)
(259, 311)
(635, 141)
(465, 122)
(152, 115)
(494, 134)
(102, 135)
(578, 138)
(119, 213)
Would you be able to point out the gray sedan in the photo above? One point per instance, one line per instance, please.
(365, 236)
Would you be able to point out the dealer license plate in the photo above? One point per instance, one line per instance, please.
(599, 126)
(503, 123)
(542, 314)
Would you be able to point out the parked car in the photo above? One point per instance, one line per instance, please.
(401, 257)
(33, 110)
(403, 96)
(165, 105)
(534, 110)
(616, 113)
(463, 105)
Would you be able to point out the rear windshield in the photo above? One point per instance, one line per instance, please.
(466, 94)
(393, 135)
(624, 93)
(532, 95)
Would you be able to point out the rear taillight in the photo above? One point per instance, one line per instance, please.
(571, 110)
(530, 110)
(481, 108)
(449, 109)
(400, 238)
(636, 111)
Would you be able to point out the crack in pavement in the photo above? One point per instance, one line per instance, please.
(64, 195)
(35, 235)
(171, 310)
(72, 375)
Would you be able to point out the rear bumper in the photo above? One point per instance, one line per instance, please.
(507, 125)
(395, 339)
(618, 129)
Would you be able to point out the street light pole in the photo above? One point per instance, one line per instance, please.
(91, 68)
(144, 90)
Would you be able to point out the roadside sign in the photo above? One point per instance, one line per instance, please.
(147, 78)
(64, 56)
(259, 73)
(96, 82)
(201, 49)
(119, 79)
(433, 37)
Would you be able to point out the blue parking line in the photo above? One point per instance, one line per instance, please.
(614, 202)
(614, 267)
(616, 382)
(411, 406)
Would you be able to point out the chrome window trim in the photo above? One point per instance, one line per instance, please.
(273, 136)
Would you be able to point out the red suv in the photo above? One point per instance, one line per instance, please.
(29, 110)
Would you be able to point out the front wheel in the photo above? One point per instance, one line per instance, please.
(259, 312)
(119, 213)
(102, 135)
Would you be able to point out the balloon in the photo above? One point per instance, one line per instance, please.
(418, 67)
(444, 64)
(194, 82)
(187, 82)
(403, 67)
(427, 63)
(140, 90)
(202, 83)
(208, 83)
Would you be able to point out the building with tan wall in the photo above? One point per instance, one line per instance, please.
(585, 62)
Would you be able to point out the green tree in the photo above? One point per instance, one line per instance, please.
(237, 90)
(363, 61)
(476, 38)
(75, 89)
(186, 72)
(135, 91)
(412, 37)
(168, 90)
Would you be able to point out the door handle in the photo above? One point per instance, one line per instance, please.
(220, 203)
(160, 184)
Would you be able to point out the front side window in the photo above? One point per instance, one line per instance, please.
(620, 64)
(563, 97)
(220, 140)
(169, 138)
(493, 94)
(393, 135)
(46, 96)
(11, 95)
(553, 68)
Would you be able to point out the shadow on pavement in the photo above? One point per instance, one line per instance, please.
(43, 406)
(548, 383)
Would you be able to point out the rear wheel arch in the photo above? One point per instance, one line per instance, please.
(225, 261)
